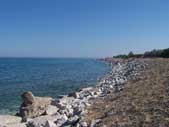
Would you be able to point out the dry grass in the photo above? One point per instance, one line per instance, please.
(143, 103)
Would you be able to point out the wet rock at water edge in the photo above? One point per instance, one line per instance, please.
(32, 106)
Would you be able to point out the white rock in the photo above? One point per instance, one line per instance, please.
(7, 119)
(87, 89)
(41, 121)
(94, 122)
(51, 110)
(16, 125)
(83, 124)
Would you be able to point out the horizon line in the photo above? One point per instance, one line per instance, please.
(52, 57)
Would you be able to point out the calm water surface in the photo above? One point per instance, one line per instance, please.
(44, 77)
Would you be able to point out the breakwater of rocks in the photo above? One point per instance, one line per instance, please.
(68, 110)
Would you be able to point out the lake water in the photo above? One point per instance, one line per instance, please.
(44, 77)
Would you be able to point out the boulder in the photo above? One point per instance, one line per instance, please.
(33, 106)
(28, 98)
(41, 121)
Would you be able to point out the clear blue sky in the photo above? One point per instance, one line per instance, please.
(82, 28)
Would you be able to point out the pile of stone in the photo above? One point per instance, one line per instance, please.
(121, 72)
(68, 110)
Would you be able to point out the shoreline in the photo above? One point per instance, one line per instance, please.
(51, 77)
(70, 109)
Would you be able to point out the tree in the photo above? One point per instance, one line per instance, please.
(131, 54)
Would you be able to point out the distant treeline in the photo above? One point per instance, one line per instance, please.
(163, 53)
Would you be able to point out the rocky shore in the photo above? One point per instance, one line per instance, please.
(143, 102)
(70, 110)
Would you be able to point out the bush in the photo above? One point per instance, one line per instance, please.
(131, 54)
(157, 53)
(164, 53)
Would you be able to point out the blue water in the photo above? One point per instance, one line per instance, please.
(44, 77)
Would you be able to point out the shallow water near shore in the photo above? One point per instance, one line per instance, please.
(45, 77)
